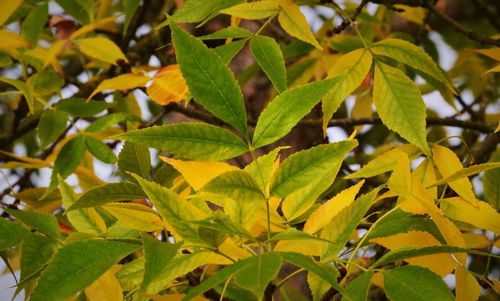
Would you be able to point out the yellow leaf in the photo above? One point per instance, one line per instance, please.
(199, 173)
(447, 162)
(106, 287)
(122, 82)
(168, 86)
(323, 215)
(11, 40)
(294, 23)
(476, 241)
(7, 8)
(498, 128)
(102, 49)
(467, 287)
(98, 24)
(87, 220)
(400, 179)
(134, 216)
(426, 175)
(494, 69)
(482, 215)
(44, 56)
(413, 14)
(493, 53)
(309, 247)
(55, 49)
(378, 279)
(442, 264)
(254, 10)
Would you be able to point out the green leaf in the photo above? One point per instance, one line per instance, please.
(400, 105)
(350, 70)
(68, 159)
(286, 110)
(304, 167)
(36, 251)
(173, 208)
(196, 141)
(76, 10)
(43, 222)
(317, 285)
(108, 193)
(258, 272)
(314, 267)
(25, 89)
(196, 10)
(158, 256)
(11, 234)
(131, 274)
(46, 83)
(227, 32)
(80, 107)
(268, 55)
(100, 150)
(345, 222)
(76, 265)
(134, 158)
(129, 8)
(411, 55)
(237, 184)
(34, 23)
(109, 120)
(358, 288)
(415, 283)
(51, 125)
(210, 81)
(228, 51)
(491, 183)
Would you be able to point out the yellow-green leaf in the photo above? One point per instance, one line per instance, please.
(491, 182)
(106, 287)
(468, 171)
(294, 23)
(351, 69)
(254, 10)
(134, 216)
(102, 49)
(400, 105)
(482, 215)
(122, 82)
(7, 8)
(12, 40)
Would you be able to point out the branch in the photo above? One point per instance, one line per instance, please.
(459, 27)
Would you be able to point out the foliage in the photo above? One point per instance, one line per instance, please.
(244, 197)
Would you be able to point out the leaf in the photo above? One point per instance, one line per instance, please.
(302, 167)
(134, 216)
(109, 120)
(350, 70)
(134, 158)
(286, 110)
(158, 257)
(22, 87)
(339, 230)
(36, 251)
(196, 10)
(106, 287)
(196, 141)
(411, 55)
(228, 32)
(76, 265)
(12, 40)
(258, 272)
(100, 150)
(312, 266)
(175, 210)
(254, 10)
(43, 222)
(68, 159)
(108, 193)
(129, 9)
(480, 215)
(127, 81)
(79, 107)
(76, 9)
(467, 287)
(262, 168)
(400, 179)
(11, 234)
(294, 23)
(34, 23)
(468, 171)
(268, 55)
(448, 163)
(210, 81)
(415, 283)
(7, 8)
(168, 86)
(400, 105)
(131, 274)
(51, 125)
(322, 216)
(102, 49)
(199, 173)
(229, 50)
(491, 183)
(317, 285)
(237, 184)
(441, 264)
(45, 83)
(359, 288)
